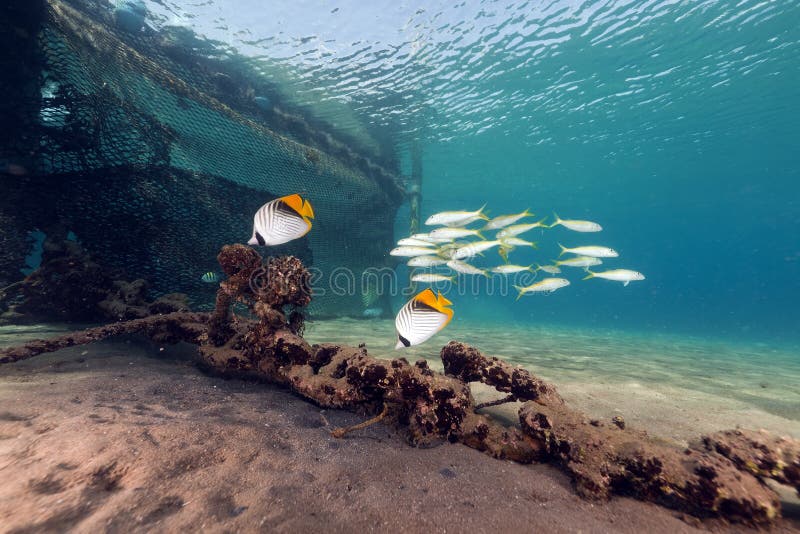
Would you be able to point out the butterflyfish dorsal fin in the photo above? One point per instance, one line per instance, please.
(428, 298)
(295, 202)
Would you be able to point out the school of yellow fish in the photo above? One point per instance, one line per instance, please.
(452, 244)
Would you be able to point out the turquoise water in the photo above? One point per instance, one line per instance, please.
(673, 124)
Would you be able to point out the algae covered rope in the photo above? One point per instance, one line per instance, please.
(170, 327)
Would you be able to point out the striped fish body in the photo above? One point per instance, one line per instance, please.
(210, 277)
(505, 220)
(281, 220)
(421, 317)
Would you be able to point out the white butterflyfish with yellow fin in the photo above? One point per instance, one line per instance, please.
(281, 220)
(618, 275)
(580, 261)
(517, 229)
(421, 318)
(505, 220)
(592, 250)
(455, 218)
(576, 225)
(548, 285)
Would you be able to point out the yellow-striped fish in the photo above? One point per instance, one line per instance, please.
(281, 220)
(431, 278)
(210, 277)
(548, 285)
(465, 268)
(426, 261)
(517, 229)
(579, 261)
(576, 225)
(421, 317)
(549, 269)
(618, 275)
(510, 269)
(506, 220)
(455, 218)
(591, 250)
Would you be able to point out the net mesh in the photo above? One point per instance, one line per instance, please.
(155, 155)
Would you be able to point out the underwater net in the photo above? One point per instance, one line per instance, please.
(153, 153)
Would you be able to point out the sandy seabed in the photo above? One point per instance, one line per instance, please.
(123, 436)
